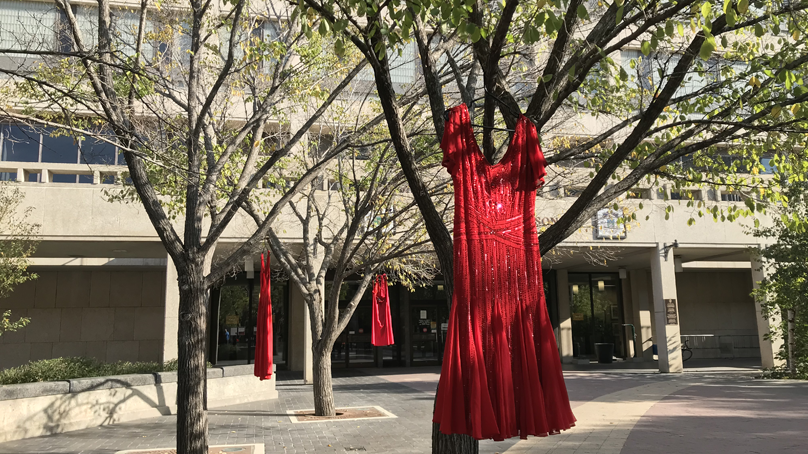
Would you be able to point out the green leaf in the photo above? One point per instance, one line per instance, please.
(743, 6)
(706, 8)
(623, 74)
(619, 15)
(339, 48)
(540, 18)
(582, 13)
(681, 29)
(726, 5)
(707, 48)
(758, 30)
(731, 19)
(547, 78)
(477, 34)
(532, 34)
(669, 28)
(645, 48)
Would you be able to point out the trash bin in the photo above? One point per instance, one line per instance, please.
(605, 353)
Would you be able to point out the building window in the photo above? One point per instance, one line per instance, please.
(573, 191)
(26, 144)
(28, 25)
(637, 194)
(731, 196)
(685, 194)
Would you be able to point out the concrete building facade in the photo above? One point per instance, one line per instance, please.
(107, 290)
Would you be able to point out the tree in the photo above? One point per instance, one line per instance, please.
(716, 88)
(362, 223)
(17, 242)
(203, 100)
(783, 290)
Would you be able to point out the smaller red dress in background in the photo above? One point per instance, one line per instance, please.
(382, 332)
(263, 339)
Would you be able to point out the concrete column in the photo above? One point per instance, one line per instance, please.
(768, 347)
(666, 310)
(641, 304)
(564, 318)
(628, 316)
(308, 363)
(404, 310)
(172, 310)
(300, 355)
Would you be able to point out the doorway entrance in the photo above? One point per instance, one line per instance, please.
(596, 307)
(232, 330)
(429, 326)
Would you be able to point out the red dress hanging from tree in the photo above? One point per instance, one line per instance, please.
(263, 335)
(501, 374)
(382, 332)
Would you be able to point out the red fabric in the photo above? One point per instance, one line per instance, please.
(263, 339)
(501, 374)
(382, 332)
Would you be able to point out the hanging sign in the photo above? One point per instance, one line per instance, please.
(670, 312)
(231, 320)
(577, 316)
(609, 225)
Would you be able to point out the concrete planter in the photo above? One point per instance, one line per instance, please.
(34, 409)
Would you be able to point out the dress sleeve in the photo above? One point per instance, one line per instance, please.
(452, 142)
(536, 159)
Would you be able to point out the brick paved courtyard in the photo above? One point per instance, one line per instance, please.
(624, 412)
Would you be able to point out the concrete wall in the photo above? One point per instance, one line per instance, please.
(35, 409)
(109, 315)
(718, 303)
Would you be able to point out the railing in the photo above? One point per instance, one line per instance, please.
(46, 171)
(723, 345)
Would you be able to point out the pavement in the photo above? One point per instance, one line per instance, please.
(619, 410)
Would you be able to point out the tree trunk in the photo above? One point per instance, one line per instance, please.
(323, 390)
(452, 444)
(192, 421)
(792, 345)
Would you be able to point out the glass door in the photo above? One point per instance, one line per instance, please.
(235, 324)
(581, 314)
(596, 312)
(429, 324)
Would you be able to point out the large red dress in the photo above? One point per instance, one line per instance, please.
(501, 374)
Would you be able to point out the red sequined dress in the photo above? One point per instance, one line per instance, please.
(501, 374)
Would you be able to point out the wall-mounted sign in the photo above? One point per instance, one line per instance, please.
(433, 325)
(546, 221)
(577, 316)
(444, 326)
(231, 320)
(609, 225)
(670, 312)
(423, 314)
